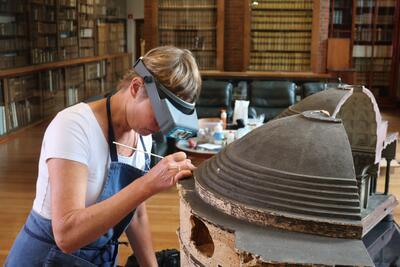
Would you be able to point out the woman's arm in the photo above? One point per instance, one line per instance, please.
(75, 226)
(139, 236)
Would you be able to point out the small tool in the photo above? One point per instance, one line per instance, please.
(155, 155)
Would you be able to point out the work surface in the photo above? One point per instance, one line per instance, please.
(18, 170)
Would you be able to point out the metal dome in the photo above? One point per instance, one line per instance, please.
(295, 173)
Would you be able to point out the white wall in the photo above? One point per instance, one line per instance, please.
(136, 8)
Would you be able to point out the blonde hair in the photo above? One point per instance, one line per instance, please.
(174, 68)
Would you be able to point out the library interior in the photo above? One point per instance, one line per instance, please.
(199, 133)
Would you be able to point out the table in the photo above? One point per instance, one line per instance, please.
(197, 156)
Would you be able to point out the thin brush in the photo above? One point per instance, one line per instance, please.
(155, 155)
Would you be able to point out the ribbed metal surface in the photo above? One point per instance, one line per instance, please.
(299, 167)
(327, 100)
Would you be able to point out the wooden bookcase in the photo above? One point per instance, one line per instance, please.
(31, 94)
(43, 31)
(67, 24)
(373, 44)
(341, 19)
(42, 18)
(14, 41)
(280, 35)
(52, 55)
(373, 41)
(87, 28)
(194, 25)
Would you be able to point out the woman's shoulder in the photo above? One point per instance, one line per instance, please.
(78, 119)
(77, 114)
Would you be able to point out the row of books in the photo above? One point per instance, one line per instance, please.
(381, 79)
(43, 13)
(266, 66)
(74, 95)
(372, 51)
(3, 123)
(67, 26)
(368, 18)
(66, 14)
(13, 44)
(87, 43)
(68, 52)
(187, 19)
(281, 41)
(342, 3)
(69, 41)
(23, 113)
(90, 2)
(281, 17)
(189, 40)
(67, 3)
(95, 87)
(282, 26)
(44, 28)
(281, 35)
(367, 35)
(378, 65)
(13, 29)
(86, 9)
(285, 4)
(74, 76)
(180, 3)
(51, 82)
(12, 6)
(44, 2)
(95, 70)
(280, 57)
(87, 52)
(21, 87)
(86, 23)
(13, 60)
(371, 3)
(205, 59)
(86, 33)
(337, 17)
(271, 46)
(40, 55)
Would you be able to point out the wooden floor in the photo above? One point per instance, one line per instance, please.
(18, 169)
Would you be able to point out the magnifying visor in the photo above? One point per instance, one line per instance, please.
(176, 118)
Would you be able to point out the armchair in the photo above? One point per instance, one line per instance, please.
(271, 97)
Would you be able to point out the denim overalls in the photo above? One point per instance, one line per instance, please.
(35, 245)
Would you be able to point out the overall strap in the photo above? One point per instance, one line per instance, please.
(146, 155)
(111, 136)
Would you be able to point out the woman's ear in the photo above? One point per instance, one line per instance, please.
(135, 85)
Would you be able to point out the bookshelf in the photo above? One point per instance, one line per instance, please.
(52, 84)
(14, 44)
(95, 74)
(373, 44)
(280, 35)
(33, 93)
(43, 31)
(74, 85)
(194, 25)
(53, 56)
(87, 29)
(67, 24)
(22, 101)
(341, 19)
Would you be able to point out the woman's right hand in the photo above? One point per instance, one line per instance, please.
(168, 171)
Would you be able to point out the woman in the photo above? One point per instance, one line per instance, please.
(88, 189)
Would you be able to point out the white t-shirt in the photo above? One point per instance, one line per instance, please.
(75, 134)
